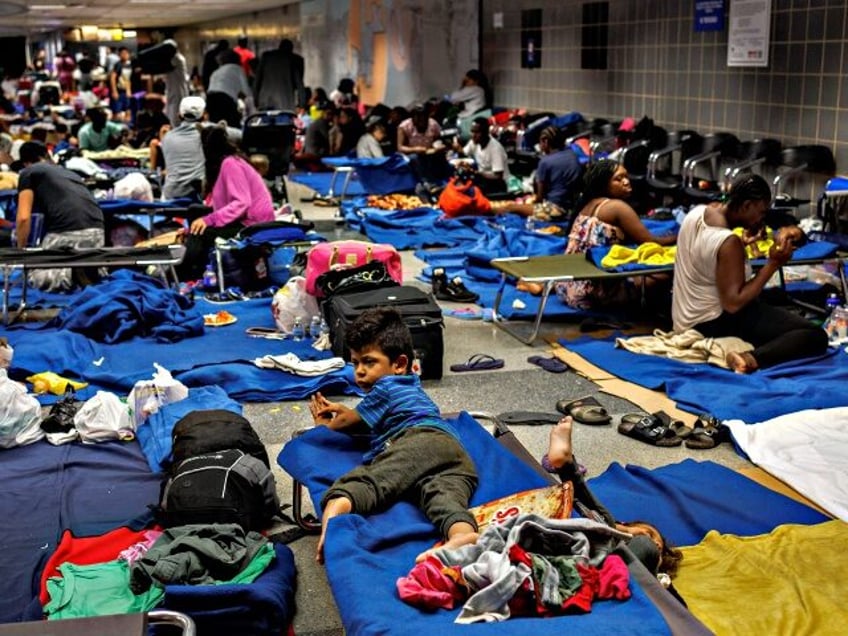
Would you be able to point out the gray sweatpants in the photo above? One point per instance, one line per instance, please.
(60, 279)
(425, 466)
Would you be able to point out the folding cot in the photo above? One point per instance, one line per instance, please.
(549, 270)
(38, 258)
(384, 175)
(365, 555)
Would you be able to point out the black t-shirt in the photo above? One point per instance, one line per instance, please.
(61, 196)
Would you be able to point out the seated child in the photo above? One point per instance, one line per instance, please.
(260, 164)
(415, 455)
(559, 460)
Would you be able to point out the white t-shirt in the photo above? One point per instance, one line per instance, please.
(695, 297)
(492, 158)
(472, 98)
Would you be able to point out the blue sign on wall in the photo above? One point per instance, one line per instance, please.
(709, 15)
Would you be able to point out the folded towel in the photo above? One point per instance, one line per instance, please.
(687, 346)
(291, 363)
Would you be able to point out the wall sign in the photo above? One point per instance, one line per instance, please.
(531, 38)
(709, 15)
(748, 35)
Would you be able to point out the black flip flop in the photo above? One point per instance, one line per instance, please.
(478, 362)
(586, 410)
(529, 418)
(554, 365)
(648, 429)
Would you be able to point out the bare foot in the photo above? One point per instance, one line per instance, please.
(459, 534)
(335, 507)
(559, 448)
(531, 288)
(742, 362)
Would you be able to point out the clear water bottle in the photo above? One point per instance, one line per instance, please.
(530, 223)
(315, 327)
(210, 277)
(298, 330)
(325, 328)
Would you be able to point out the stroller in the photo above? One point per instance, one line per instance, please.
(272, 133)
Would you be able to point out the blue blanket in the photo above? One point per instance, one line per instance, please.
(91, 489)
(88, 489)
(365, 556)
(785, 388)
(320, 182)
(221, 356)
(155, 433)
(127, 305)
(379, 175)
(688, 499)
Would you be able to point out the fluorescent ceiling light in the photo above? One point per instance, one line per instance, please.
(48, 7)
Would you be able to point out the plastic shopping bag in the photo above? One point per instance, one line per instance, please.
(147, 396)
(291, 302)
(20, 414)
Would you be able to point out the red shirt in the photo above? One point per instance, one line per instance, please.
(246, 55)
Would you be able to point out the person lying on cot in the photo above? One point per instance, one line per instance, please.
(715, 293)
(648, 544)
(415, 455)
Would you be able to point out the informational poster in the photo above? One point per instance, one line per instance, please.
(531, 38)
(709, 15)
(748, 34)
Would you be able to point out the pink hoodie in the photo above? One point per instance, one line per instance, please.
(240, 195)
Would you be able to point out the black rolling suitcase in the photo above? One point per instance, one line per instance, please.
(419, 311)
(271, 133)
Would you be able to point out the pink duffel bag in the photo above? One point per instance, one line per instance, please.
(345, 254)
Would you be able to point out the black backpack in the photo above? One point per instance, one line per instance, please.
(228, 486)
(206, 431)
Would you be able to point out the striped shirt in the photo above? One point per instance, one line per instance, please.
(394, 404)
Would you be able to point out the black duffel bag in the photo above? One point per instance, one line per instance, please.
(351, 280)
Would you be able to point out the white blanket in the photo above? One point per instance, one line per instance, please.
(807, 449)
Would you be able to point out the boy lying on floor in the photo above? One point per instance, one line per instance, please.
(415, 454)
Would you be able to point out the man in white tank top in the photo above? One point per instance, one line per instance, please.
(714, 293)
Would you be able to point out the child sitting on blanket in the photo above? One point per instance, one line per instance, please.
(415, 455)
(559, 460)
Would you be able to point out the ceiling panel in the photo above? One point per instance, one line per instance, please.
(21, 16)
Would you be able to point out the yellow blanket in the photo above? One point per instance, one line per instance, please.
(645, 254)
(790, 581)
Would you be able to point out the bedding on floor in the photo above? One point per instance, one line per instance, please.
(222, 356)
(756, 397)
(805, 449)
(82, 491)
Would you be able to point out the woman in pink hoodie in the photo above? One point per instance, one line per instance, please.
(236, 193)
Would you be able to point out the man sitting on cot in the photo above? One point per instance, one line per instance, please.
(72, 218)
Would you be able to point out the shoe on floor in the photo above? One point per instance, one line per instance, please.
(453, 289)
